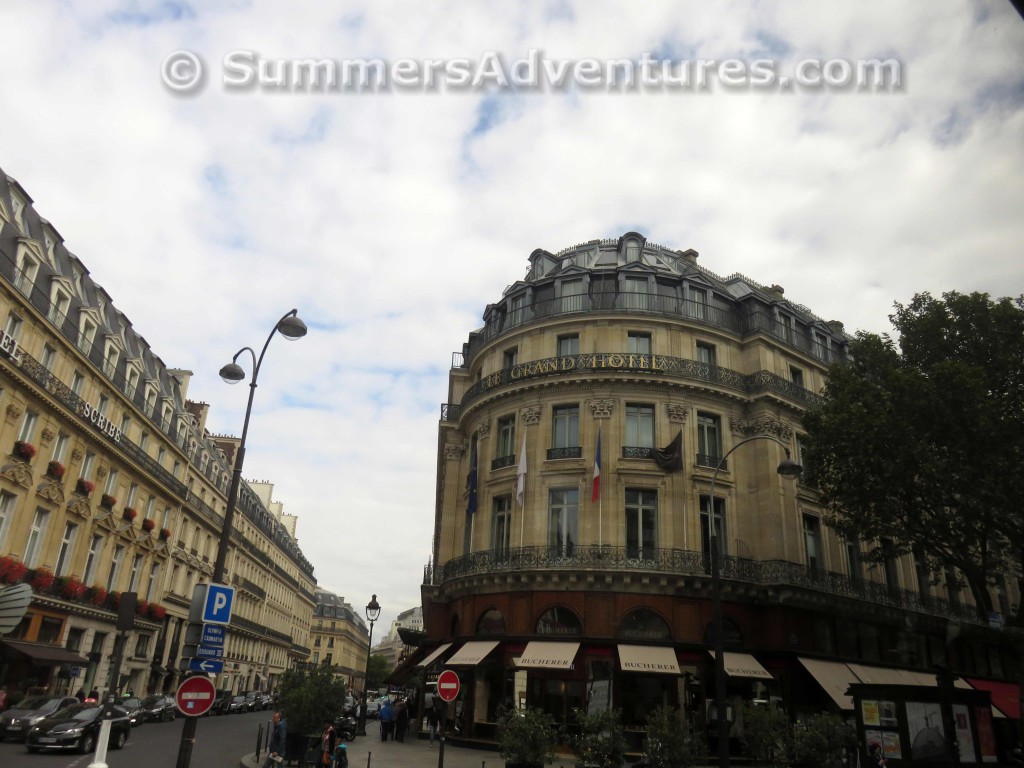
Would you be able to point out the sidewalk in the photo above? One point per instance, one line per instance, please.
(370, 752)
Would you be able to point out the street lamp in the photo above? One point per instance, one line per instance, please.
(372, 614)
(291, 327)
(788, 468)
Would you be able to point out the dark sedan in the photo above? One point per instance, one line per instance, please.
(158, 708)
(133, 706)
(78, 727)
(237, 705)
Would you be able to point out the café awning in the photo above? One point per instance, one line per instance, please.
(42, 654)
(743, 665)
(472, 653)
(660, 659)
(433, 657)
(834, 677)
(1005, 696)
(548, 655)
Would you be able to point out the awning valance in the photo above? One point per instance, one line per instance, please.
(42, 654)
(472, 653)
(834, 677)
(648, 658)
(743, 665)
(1005, 696)
(433, 657)
(548, 655)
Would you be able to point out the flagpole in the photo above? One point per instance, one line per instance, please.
(521, 489)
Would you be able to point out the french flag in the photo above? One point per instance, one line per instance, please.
(596, 494)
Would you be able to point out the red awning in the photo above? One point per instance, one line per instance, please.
(1005, 696)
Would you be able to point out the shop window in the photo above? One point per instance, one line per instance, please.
(559, 621)
(491, 623)
(642, 624)
(50, 630)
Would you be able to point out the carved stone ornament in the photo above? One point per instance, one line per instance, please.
(530, 415)
(452, 451)
(14, 411)
(101, 472)
(484, 429)
(17, 472)
(77, 455)
(51, 490)
(79, 506)
(677, 412)
(602, 408)
(47, 435)
(764, 425)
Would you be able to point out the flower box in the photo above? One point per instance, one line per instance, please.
(12, 571)
(165, 533)
(24, 451)
(157, 611)
(129, 514)
(84, 487)
(107, 501)
(142, 607)
(98, 595)
(42, 580)
(148, 525)
(72, 588)
(55, 470)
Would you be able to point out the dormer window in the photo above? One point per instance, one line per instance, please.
(150, 400)
(131, 381)
(19, 211)
(632, 250)
(86, 334)
(110, 357)
(60, 302)
(26, 272)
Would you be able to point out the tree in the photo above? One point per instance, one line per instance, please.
(921, 449)
(766, 734)
(669, 742)
(379, 669)
(601, 739)
(308, 697)
(823, 741)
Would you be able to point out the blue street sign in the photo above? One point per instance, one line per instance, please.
(217, 608)
(210, 666)
(209, 652)
(213, 635)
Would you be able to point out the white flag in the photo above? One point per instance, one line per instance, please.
(521, 474)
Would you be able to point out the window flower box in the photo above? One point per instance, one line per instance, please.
(72, 588)
(24, 451)
(148, 525)
(84, 487)
(42, 580)
(129, 514)
(12, 571)
(157, 611)
(97, 595)
(165, 533)
(107, 501)
(55, 470)
(142, 608)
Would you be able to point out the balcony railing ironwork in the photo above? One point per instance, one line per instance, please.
(711, 462)
(574, 452)
(767, 573)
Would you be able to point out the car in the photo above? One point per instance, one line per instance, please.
(16, 721)
(158, 708)
(236, 705)
(255, 701)
(77, 727)
(133, 706)
(220, 704)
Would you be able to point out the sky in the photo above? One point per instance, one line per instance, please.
(390, 212)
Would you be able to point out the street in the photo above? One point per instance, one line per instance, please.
(220, 741)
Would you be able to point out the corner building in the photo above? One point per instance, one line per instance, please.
(631, 355)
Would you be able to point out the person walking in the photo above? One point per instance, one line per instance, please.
(386, 716)
(278, 739)
(401, 720)
(434, 714)
(328, 740)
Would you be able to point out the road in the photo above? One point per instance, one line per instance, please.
(220, 741)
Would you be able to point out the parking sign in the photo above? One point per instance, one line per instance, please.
(217, 607)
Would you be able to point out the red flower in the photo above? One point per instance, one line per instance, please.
(148, 525)
(157, 611)
(108, 501)
(42, 580)
(165, 533)
(12, 571)
(55, 470)
(141, 607)
(72, 588)
(130, 513)
(84, 487)
(23, 450)
(99, 595)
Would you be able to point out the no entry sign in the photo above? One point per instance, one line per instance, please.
(448, 685)
(195, 695)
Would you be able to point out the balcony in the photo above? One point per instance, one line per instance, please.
(575, 452)
(711, 462)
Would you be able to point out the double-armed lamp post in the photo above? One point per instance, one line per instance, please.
(372, 614)
(788, 468)
(291, 327)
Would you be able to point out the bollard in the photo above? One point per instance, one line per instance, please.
(100, 758)
(259, 740)
(368, 756)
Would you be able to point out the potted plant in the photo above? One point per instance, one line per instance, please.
(98, 595)
(84, 487)
(129, 514)
(669, 742)
(165, 533)
(148, 525)
(72, 588)
(22, 450)
(12, 571)
(157, 611)
(142, 607)
(55, 470)
(107, 501)
(527, 738)
(601, 740)
(42, 579)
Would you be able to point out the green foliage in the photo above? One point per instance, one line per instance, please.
(527, 736)
(919, 448)
(308, 697)
(600, 742)
(765, 734)
(822, 741)
(379, 669)
(669, 742)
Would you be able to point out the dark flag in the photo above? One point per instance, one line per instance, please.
(670, 458)
(471, 487)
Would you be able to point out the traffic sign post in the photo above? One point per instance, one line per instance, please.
(448, 685)
(195, 696)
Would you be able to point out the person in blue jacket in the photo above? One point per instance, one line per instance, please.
(386, 716)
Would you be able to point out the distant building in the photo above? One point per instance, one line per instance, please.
(339, 636)
(394, 647)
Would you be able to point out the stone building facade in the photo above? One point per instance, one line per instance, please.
(547, 588)
(338, 637)
(110, 483)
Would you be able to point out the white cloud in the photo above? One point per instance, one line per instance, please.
(390, 220)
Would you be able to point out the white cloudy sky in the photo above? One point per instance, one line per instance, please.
(390, 220)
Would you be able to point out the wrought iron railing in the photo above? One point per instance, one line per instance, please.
(503, 461)
(775, 573)
(711, 462)
(636, 452)
(575, 452)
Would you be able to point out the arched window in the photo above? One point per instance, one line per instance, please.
(642, 624)
(559, 621)
(731, 634)
(491, 623)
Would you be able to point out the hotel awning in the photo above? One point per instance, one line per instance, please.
(890, 676)
(433, 657)
(1005, 696)
(743, 665)
(834, 677)
(472, 653)
(548, 655)
(648, 658)
(42, 654)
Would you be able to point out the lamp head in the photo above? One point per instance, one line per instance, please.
(291, 327)
(789, 468)
(373, 609)
(232, 373)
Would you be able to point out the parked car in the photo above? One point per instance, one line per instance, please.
(158, 707)
(220, 704)
(77, 727)
(133, 706)
(237, 705)
(255, 701)
(16, 721)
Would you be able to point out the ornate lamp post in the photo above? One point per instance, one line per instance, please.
(291, 327)
(788, 468)
(372, 614)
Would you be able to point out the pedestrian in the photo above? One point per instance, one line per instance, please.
(401, 720)
(386, 716)
(341, 756)
(80, 695)
(434, 715)
(327, 742)
(876, 761)
(278, 740)
(93, 696)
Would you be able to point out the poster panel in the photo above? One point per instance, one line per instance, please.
(869, 712)
(964, 735)
(891, 746)
(986, 734)
(927, 735)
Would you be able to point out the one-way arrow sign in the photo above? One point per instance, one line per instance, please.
(210, 666)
